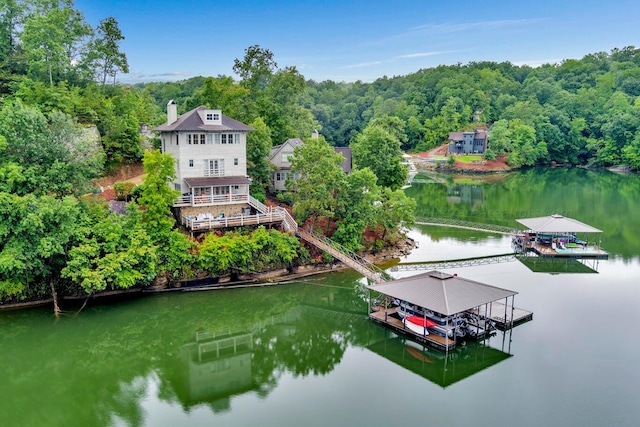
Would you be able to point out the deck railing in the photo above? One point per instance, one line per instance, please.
(211, 222)
(192, 200)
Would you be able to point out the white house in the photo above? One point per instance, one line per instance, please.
(211, 160)
(281, 157)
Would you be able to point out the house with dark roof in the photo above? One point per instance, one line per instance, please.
(281, 156)
(211, 160)
(468, 142)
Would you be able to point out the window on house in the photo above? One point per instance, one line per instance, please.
(216, 116)
(235, 162)
(224, 138)
(189, 138)
(209, 116)
(286, 157)
(190, 163)
(216, 138)
(236, 138)
(209, 138)
(202, 137)
(214, 167)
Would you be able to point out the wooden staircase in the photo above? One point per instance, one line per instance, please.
(346, 256)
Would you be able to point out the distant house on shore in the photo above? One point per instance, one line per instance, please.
(468, 142)
(281, 158)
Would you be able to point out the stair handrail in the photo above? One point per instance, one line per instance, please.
(363, 262)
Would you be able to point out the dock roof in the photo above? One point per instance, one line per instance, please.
(442, 292)
(556, 224)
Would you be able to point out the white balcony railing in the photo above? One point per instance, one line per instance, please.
(214, 172)
(204, 200)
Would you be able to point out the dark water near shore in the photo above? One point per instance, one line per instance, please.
(305, 353)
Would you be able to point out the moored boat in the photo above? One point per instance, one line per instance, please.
(442, 325)
(419, 325)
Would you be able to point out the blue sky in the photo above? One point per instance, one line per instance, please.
(359, 40)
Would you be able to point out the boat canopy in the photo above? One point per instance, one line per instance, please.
(556, 224)
(442, 292)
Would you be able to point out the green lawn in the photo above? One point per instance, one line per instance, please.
(469, 158)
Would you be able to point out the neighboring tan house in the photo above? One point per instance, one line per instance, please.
(468, 142)
(281, 158)
(211, 161)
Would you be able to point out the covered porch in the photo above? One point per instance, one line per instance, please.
(213, 191)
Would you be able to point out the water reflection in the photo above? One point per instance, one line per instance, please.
(443, 369)
(605, 200)
(308, 340)
(559, 265)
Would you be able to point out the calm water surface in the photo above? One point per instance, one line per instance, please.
(305, 353)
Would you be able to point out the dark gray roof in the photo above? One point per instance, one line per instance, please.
(215, 181)
(346, 152)
(442, 292)
(556, 224)
(191, 121)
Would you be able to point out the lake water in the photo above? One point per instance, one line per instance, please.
(306, 354)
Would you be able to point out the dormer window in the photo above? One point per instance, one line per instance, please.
(211, 117)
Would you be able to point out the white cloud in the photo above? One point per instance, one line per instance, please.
(468, 26)
(423, 54)
(363, 64)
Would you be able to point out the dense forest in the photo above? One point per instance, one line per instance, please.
(59, 80)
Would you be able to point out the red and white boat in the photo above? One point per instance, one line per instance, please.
(419, 324)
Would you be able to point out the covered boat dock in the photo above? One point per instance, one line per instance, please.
(556, 236)
(456, 300)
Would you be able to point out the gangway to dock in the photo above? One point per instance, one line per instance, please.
(458, 263)
(346, 256)
(466, 225)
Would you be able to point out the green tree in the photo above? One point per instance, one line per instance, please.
(356, 208)
(117, 253)
(320, 179)
(258, 150)
(103, 54)
(53, 39)
(156, 198)
(396, 211)
(255, 69)
(36, 233)
(156, 195)
(52, 151)
(379, 150)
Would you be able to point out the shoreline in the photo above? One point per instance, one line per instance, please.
(249, 280)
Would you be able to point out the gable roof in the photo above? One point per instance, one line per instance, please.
(292, 142)
(557, 224)
(191, 121)
(442, 292)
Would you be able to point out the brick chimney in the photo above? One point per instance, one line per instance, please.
(172, 112)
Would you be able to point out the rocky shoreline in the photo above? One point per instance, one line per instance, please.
(387, 257)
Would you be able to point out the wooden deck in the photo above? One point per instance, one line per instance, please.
(234, 221)
(396, 325)
(547, 251)
(496, 312)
